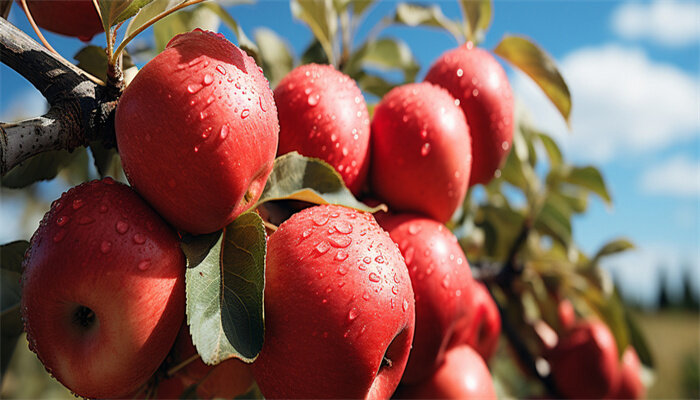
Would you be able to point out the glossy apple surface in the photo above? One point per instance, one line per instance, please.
(76, 18)
(485, 329)
(339, 308)
(323, 114)
(103, 290)
(421, 154)
(441, 280)
(463, 375)
(197, 132)
(630, 385)
(474, 77)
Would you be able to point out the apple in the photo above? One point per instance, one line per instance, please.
(483, 332)
(103, 290)
(323, 114)
(566, 315)
(76, 18)
(339, 308)
(584, 362)
(197, 132)
(630, 385)
(464, 375)
(228, 379)
(441, 280)
(474, 77)
(421, 154)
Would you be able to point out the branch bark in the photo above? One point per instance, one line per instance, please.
(81, 111)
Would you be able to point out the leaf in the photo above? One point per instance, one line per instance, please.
(182, 21)
(93, 60)
(386, 54)
(477, 14)
(225, 291)
(295, 177)
(275, 56)
(40, 167)
(314, 54)
(360, 6)
(555, 219)
(638, 341)
(116, 11)
(552, 149)
(612, 247)
(501, 224)
(373, 84)
(432, 16)
(107, 161)
(538, 65)
(611, 311)
(148, 12)
(322, 19)
(243, 41)
(11, 256)
(589, 178)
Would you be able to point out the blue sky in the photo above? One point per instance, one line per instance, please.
(632, 68)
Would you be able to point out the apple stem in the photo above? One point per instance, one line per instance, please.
(271, 226)
(387, 362)
(182, 365)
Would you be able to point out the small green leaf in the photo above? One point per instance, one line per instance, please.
(295, 177)
(477, 14)
(638, 341)
(555, 220)
(182, 21)
(225, 290)
(589, 178)
(93, 60)
(612, 247)
(275, 56)
(373, 84)
(148, 12)
(243, 41)
(107, 161)
(322, 19)
(40, 167)
(360, 6)
(116, 11)
(12, 254)
(432, 16)
(552, 149)
(314, 54)
(385, 54)
(538, 65)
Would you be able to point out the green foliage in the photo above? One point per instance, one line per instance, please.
(10, 321)
(225, 279)
(477, 15)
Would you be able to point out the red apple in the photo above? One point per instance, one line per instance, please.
(77, 18)
(339, 308)
(197, 132)
(566, 314)
(484, 330)
(441, 279)
(630, 385)
(103, 290)
(421, 155)
(323, 114)
(464, 375)
(584, 363)
(474, 77)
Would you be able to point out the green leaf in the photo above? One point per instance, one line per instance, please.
(538, 65)
(93, 60)
(589, 178)
(225, 280)
(314, 54)
(638, 341)
(182, 21)
(40, 167)
(295, 177)
(360, 6)
(148, 12)
(385, 54)
(477, 14)
(431, 16)
(501, 225)
(116, 11)
(555, 219)
(373, 84)
(11, 256)
(612, 247)
(322, 19)
(612, 312)
(107, 161)
(275, 56)
(550, 146)
(243, 41)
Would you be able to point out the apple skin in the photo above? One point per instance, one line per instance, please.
(484, 330)
(421, 153)
(584, 362)
(323, 114)
(464, 375)
(441, 280)
(566, 315)
(338, 299)
(101, 247)
(76, 18)
(197, 132)
(474, 77)
(630, 385)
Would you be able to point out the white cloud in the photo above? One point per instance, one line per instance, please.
(623, 103)
(667, 22)
(678, 176)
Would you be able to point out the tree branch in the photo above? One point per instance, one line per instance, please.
(81, 111)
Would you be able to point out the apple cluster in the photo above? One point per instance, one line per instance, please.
(356, 306)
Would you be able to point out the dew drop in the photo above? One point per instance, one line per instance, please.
(59, 236)
(340, 241)
(143, 265)
(423, 133)
(342, 270)
(194, 88)
(262, 106)
(365, 296)
(446, 281)
(343, 227)
(208, 79)
(357, 99)
(405, 305)
(320, 219)
(78, 203)
(345, 151)
(475, 92)
(505, 146)
(305, 234)
(313, 99)
(367, 260)
(245, 113)
(105, 246)
(62, 220)
(341, 255)
(85, 220)
(322, 247)
(379, 259)
(460, 72)
(425, 149)
(139, 238)
(395, 289)
(196, 149)
(352, 314)
(413, 229)
(224, 131)
(122, 227)
(374, 277)
(221, 69)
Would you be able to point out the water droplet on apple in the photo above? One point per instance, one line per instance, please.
(374, 277)
(193, 88)
(505, 146)
(221, 69)
(343, 227)
(446, 281)
(144, 265)
(379, 259)
(340, 241)
(475, 92)
(62, 220)
(413, 229)
(320, 219)
(322, 247)
(352, 314)
(59, 236)
(405, 305)
(85, 220)
(105, 246)
(262, 106)
(425, 149)
(78, 203)
(122, 226)
(245, 113)
(208, 79)
(314, 99)
(460, 72)
(139, 238)
(341, 255)
(395, 289)
(367, 260)
(365, 296)
(342, 270)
